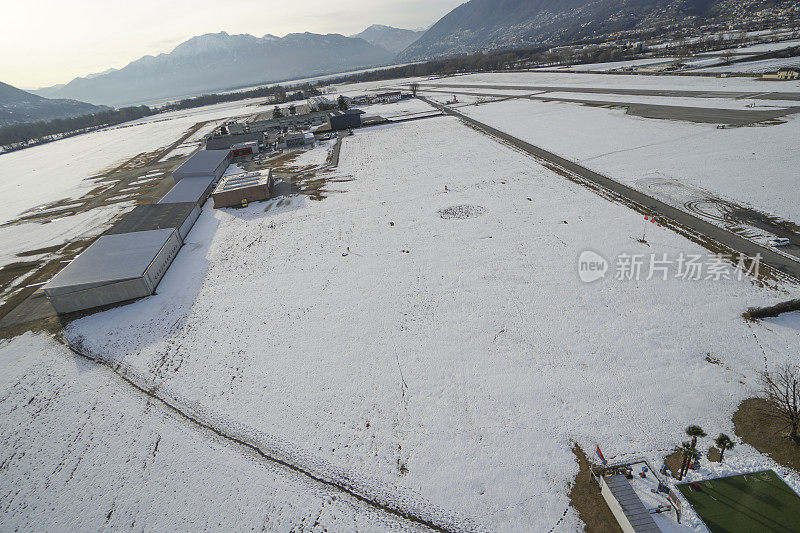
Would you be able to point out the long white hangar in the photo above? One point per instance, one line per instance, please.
(115, 268)
(129, 260)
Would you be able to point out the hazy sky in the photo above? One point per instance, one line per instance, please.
(47, 42)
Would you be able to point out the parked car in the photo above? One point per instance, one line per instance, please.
(779, 241)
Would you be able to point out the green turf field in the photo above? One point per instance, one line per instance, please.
(760, 501)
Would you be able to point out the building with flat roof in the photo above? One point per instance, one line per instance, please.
(191, 189)
(320, 103)
(295, 140)
(342, 120)
(240, 189)
(245, 148)
(179, 216)
(224, 142)
(114, 269)
(210, 163)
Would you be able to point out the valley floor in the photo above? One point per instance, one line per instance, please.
(415, 350)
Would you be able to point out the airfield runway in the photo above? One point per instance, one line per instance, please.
(701, 115)
(671, 93)
(649, 204)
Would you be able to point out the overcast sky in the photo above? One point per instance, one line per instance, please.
(44, 42)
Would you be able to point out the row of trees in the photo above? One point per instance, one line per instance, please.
(275, 93)
(28, 133)
(688, 450)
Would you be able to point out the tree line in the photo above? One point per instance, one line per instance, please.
(25, 134)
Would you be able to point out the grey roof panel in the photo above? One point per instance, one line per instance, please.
(636, 513)
(203, 162)
(150, 217)
(109, 259)
(191, 189)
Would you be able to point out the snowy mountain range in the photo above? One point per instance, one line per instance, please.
(218, 61)
(394, 40)
(18, 106)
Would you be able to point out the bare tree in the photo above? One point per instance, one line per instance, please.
(726, 56)
(414, 89)
(782, 390)
(681, 55)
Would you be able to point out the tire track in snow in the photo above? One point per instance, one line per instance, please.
(394, 510)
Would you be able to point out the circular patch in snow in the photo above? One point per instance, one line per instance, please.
(462, 211)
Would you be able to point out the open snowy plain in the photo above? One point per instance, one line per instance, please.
(59, 170)
(418, 344)
(753, 165)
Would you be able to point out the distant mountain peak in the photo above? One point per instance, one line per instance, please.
(212, 42)
(219, 61)
(18, 106)
(106, 71)
(394, 40)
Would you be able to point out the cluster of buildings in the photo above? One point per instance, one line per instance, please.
(129, 260)
(290, 127)
(378, 98)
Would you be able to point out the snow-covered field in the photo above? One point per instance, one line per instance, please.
(615, 65)
(58, 170)
(403, 108)
(445, 364)
(765, 47)
(33, 235)
(760, 66)
(717, 103)
(81, 450)
(566, 79)
(422, 338)
(193, 142)
(754, 165)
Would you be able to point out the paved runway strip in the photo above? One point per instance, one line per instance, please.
(734, 242)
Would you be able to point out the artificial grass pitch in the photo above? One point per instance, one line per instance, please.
(760, 501)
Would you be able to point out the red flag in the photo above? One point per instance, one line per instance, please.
(600, 455)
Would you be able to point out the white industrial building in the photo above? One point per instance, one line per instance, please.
(129, 260)
(210, 163)
(191, 189)
(116, 268)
